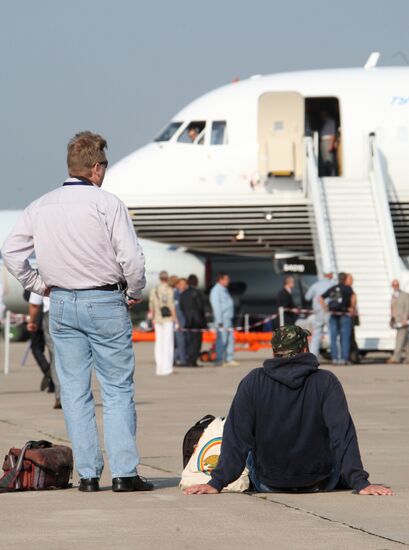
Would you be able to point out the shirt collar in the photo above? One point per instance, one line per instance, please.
(79, 181)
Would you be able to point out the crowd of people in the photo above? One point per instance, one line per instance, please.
(335, 311)
(178, 312)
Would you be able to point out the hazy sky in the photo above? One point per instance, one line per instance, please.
(123, 67)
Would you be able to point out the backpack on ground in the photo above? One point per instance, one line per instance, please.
(205, 457)
(192, 437)
(38, 465)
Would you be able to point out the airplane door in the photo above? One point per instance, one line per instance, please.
(280, 134)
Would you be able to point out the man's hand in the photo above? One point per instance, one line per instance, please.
(132, 301)
(32, 327)
(376, 490)
(202, 489)
(47, 292)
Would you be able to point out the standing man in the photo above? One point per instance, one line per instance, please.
(321, 316)
(341, 305)
(87, 254)
(38, 344)
(399, 320)
(180, 334)
(192, 304)
(39, 307)
(285, 300)
(223, 313)
(328, 145)
(354, 356)
(163, 315)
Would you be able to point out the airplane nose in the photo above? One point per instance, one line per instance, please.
(138, 174)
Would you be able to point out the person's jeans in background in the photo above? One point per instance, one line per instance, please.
(180, 347)
(225, 343)
(91, 328)
(340, 328)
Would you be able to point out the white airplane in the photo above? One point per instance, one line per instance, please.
(237, 172)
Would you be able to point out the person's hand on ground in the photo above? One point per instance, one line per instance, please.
(202, 489)
(376, 490)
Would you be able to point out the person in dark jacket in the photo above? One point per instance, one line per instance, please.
(192, 304)
(285, 300)
(289, 421)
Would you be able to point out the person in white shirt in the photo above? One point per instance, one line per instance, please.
(87, 255)
(163, 315)
(36, 303)
(321, 317)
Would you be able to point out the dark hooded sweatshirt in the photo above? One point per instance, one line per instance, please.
(294, 418)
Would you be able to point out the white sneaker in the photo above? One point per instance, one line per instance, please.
(231, 363)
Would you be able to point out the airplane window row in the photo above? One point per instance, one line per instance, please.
(195, 132)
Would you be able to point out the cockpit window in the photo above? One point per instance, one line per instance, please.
(193, 133)
(219, 133)
(169, 131)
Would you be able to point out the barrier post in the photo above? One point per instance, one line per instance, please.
(246, 322)
(7, 343)
(281, 316)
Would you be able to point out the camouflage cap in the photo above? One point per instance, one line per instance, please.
(289, 340)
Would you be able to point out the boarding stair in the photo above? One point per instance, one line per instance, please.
(354, 233)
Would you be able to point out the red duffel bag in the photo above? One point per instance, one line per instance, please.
(38, 465)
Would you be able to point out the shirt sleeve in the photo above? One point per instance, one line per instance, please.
(16, 250)
(327, 293)
(35, 299)
(309, 295)
(216, 305)
(152, 300)
(344, 441)
(129, 253)
(238, 438)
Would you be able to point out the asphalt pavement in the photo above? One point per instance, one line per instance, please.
(378, 397)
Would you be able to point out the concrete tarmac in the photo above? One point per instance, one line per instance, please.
(378, 397)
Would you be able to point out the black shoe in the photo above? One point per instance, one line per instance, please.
(89, 485)
(136, 483)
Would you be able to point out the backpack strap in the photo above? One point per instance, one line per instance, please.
(8, 480)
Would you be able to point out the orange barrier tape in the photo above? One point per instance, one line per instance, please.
(209, 337)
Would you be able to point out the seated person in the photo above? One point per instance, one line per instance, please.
(290, 421)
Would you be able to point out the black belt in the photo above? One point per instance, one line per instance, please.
(116, 286)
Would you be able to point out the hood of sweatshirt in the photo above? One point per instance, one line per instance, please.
(291, 371)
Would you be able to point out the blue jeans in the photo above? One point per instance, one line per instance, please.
(180, 348)
(225, 343)
(91, 328)
(340, 326)
(259, 487)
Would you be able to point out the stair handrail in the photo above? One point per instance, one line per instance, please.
(324, 253)
(383, 212)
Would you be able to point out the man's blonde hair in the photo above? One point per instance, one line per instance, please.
(84, 150)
